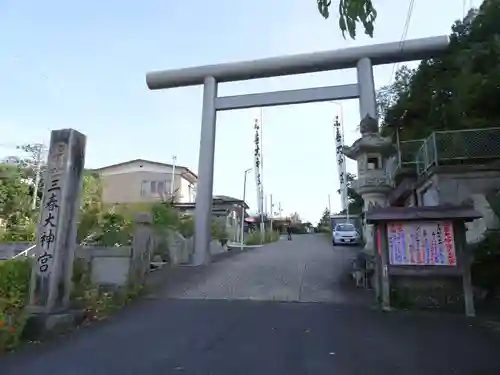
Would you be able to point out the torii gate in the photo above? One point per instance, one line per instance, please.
(361, 58)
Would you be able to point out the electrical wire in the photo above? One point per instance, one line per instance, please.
(409, 14)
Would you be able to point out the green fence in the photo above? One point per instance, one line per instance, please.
(449, 147)
(406, 156)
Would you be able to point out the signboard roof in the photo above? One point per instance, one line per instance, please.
(442, 212)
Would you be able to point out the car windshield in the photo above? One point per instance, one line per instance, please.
(345, 228)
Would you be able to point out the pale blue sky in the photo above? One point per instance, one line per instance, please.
(83, 64)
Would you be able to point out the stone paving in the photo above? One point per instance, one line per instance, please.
(216, 320)
(306, 269)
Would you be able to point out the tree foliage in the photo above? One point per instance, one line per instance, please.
(29, 165)
(90, 206)
(14, 198)
(355, 200)
(351, 13)
(295, 218)
(325, 219)
(387, 96)
(457, 90)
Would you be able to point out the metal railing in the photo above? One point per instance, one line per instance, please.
(32, 247)
(405, 157)
(25, 252)
(426, 155)
(456, 146)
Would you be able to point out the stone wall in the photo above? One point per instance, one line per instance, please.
(107, 265)
(171, 247)
(9, 250)
(447, 185)
(118, 266)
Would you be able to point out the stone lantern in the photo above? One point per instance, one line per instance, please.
(371, 152)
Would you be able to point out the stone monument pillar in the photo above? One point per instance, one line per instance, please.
(56, 237)
(373, 184)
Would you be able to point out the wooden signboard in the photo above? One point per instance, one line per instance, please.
(427, 243)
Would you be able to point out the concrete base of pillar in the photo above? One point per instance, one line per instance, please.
(44, 326)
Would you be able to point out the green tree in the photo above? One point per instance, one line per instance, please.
(325, 218)
(90, 205)
(458, 90)
(355, 200)
(351, 12)
(15, 201)
(295, 218)
(33, 164)
(387, 96)
(14, 192)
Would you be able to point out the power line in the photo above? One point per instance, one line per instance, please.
(409, 13)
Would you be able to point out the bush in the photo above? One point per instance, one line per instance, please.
(254, 238)
(219, 229)
(298, 229)
(186, 226)
(115, 230)
(98, 302)
(14, 293)
(22, 231)
(165, 216)
(271, 236)
(324, 229)
(486, 266)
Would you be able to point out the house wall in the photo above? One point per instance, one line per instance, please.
(187, 192)
(124, 183)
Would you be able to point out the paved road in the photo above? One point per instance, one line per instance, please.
(187, 330)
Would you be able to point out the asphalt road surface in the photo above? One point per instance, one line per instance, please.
(280, 309)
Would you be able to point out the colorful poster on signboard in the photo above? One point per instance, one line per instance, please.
(421, 243)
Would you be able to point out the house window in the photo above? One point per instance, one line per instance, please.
(145, 188)
(161, 187)
(152, 188)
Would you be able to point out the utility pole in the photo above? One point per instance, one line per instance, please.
(38, 161)
(262, 225)
(242, 228)
(172, 183)
(329, 205)
(271, 214)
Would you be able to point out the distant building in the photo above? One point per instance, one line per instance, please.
(144, 181)
(11, 160)
(227, 210)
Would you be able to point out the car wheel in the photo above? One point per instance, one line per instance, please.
(334, 243)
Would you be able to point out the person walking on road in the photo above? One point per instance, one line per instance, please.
(289, 231)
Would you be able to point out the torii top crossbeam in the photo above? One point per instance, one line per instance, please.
(385, 53)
